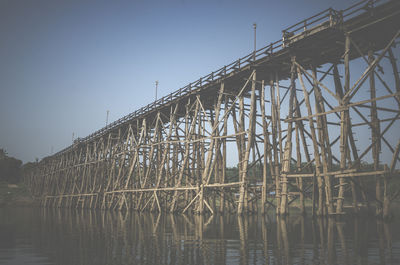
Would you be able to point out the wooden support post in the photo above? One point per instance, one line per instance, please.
(318, 168)
(301, 134)
(243, 196)
(343, 132)
(298, 164)
(375, 135)
(267, 149)
(189, 130)
(275, 121)
(323, 143)
(223, 173)
(287, 157)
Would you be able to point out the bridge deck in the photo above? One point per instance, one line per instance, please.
(301, 143)
(314, 41)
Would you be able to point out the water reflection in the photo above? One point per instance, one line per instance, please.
(54, 236)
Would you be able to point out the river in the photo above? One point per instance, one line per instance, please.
(61, 236)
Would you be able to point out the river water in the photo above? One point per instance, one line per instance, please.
(61, 236)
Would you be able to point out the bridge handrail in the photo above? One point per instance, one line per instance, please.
(306, 22)
(333, 15)
(302, 26)
(360, 6)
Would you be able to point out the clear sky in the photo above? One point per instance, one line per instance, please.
(63, 64)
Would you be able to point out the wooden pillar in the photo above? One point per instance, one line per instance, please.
(301, 134)
(274, 131)
(267, 151)
(287, 157)
(343, 135)
(323, 142)
(318, 167)
(243, 199)
(375, 136)
(223, 173)
(298, 165)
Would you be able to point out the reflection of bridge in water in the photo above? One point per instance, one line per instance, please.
(291, 111)
(106, 237)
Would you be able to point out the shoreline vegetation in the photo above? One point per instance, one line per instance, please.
(15, 195)
(13, 191)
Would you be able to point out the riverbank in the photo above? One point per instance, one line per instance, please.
(15, 195)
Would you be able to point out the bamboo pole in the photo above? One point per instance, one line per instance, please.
(267, 149)
(343, 130)
(318, 168)
(224, 154)
(375, 135)
(243, 195)
(288, 146)
(323, 142)
(274, 128)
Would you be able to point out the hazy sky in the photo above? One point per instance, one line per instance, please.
(63, 64)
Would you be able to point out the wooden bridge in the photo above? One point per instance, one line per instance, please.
(312, 119)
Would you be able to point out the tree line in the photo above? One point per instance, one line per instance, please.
(10, 168)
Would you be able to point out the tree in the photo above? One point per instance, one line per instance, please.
(3, 153)
(10, 168)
